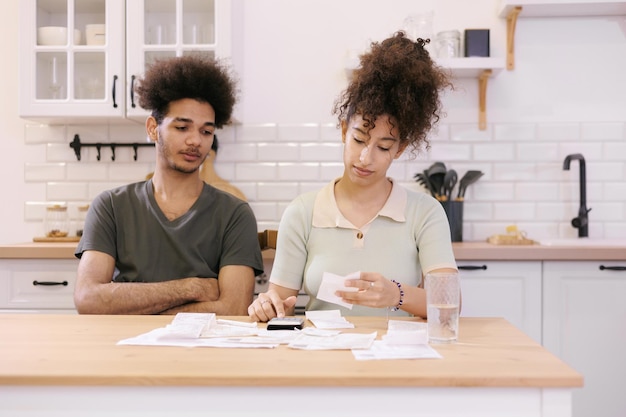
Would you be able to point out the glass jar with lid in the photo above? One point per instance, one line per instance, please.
(80, 222)
(448, 44)
(56, 223)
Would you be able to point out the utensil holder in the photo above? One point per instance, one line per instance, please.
(454, 211)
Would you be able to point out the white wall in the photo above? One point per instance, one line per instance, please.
(565, 95)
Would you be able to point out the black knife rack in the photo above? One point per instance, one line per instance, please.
(77, 145)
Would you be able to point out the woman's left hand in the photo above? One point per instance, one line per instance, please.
(374, 291)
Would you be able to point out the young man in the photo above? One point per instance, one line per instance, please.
(172, 243)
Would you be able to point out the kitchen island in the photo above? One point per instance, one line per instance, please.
(70, 365)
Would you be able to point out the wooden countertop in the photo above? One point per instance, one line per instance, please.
(464, 251)
(81, 350)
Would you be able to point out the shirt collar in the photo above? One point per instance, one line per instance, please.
(327, 214)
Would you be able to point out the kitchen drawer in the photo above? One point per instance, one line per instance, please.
(37, 284)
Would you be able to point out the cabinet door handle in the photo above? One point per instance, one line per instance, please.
(612, 268)
(49, 283)
(132, 91)
(113, 92)
(473, 267)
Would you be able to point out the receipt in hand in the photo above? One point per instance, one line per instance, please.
(332, 283)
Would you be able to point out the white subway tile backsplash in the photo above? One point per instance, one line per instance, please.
(249, 189)
(59, 152)
(524, 181)
(450, 152)
(514, 212)
(470, 133)
(44, 172)
(264, 211)
(516, 171)
(547, 132)
(605, 212)
(615, 191)
(256, 171)
(329, 171)
(277, 191)
(330, 132)
(494, 152)
(321, 152)
(538, 152)
(267, 132)
(590, 150)
(126, 133)
(39, 133)
(537, 192)
(128, 172)
(515, 132)
(89, 133)
(309, 132)
(614, 151)
(602, 131)
(304, 171)
(496, 192)
(67, 191)
(268, 152)
(237, 152)
(477, 211)
(226, 170)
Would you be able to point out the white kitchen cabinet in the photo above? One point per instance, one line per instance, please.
(584, 324)
(82, 81)
(37, 285)
(507, 289)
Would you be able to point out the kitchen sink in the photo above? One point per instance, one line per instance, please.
(584, 241)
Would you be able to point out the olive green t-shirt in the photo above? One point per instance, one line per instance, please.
(126, 223)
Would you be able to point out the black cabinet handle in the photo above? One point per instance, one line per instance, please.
(612, 268)
(472, 267)
(50, 283)
(114, 85)
(132, 91)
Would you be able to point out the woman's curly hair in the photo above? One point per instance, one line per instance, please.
(193, 76)
(398, 78)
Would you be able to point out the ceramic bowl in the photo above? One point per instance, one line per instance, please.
(55, 35)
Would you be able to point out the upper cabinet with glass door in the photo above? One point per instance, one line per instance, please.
(167, 28)
(87, 73)
(71, 66)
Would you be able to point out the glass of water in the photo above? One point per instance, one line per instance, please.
(443, 296)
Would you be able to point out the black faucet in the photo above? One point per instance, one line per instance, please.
(582, 221)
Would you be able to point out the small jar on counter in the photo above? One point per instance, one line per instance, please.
(80, 221)
(56, 223)
(448, 44)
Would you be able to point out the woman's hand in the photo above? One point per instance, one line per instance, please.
(374, 291)
(269, 305)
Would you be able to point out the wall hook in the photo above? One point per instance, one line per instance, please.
(77, 146)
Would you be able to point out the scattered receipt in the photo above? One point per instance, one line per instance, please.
(328, 319)
(332, 283)
(404, 340)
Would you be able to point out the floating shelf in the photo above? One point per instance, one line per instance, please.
(564, 8)
(481, 68)
(512, 9)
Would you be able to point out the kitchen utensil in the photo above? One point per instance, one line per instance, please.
(468, 178)
(435, 174)
(449, 181)
(422, 178)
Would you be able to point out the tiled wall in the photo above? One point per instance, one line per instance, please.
(524, 183)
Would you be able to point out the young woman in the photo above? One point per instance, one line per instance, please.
(362, 222)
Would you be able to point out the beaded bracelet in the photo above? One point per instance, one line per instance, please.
(396, 308)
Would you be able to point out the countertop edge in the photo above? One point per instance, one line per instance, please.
(463, 251)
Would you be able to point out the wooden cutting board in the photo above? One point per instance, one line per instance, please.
(56, 239)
